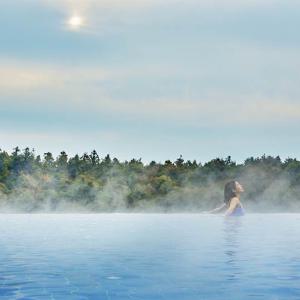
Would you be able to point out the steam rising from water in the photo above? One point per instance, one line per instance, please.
(55, 192)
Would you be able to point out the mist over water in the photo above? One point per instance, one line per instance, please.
(90, 184)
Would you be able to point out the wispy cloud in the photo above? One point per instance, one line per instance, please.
(138, 4)
(17, 76)
(102, 12)
(91, 89)
(13, 77)
(210, 111)
(96, 12)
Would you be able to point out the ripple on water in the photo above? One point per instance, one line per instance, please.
(149, 257)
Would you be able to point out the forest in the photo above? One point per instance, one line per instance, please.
(89, 183)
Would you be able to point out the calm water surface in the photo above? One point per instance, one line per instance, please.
(149, 256)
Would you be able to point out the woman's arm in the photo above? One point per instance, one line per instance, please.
(233, 203)
(218, 209)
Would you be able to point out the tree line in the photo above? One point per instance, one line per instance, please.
(32, 183)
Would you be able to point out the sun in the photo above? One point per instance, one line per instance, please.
(75, 22)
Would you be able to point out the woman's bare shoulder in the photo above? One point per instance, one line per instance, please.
(235, 199)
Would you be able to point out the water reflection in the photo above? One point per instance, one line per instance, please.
(232, 229)
(193, 258)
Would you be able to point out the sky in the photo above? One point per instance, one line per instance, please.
(151, 79)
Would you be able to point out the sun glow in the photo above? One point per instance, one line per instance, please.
(75, 22)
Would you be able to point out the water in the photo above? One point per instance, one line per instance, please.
(149, 256)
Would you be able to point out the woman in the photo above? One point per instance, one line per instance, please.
(232, 191)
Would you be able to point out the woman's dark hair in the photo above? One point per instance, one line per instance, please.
(229, 191)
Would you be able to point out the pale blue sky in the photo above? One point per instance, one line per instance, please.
(151, 79)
